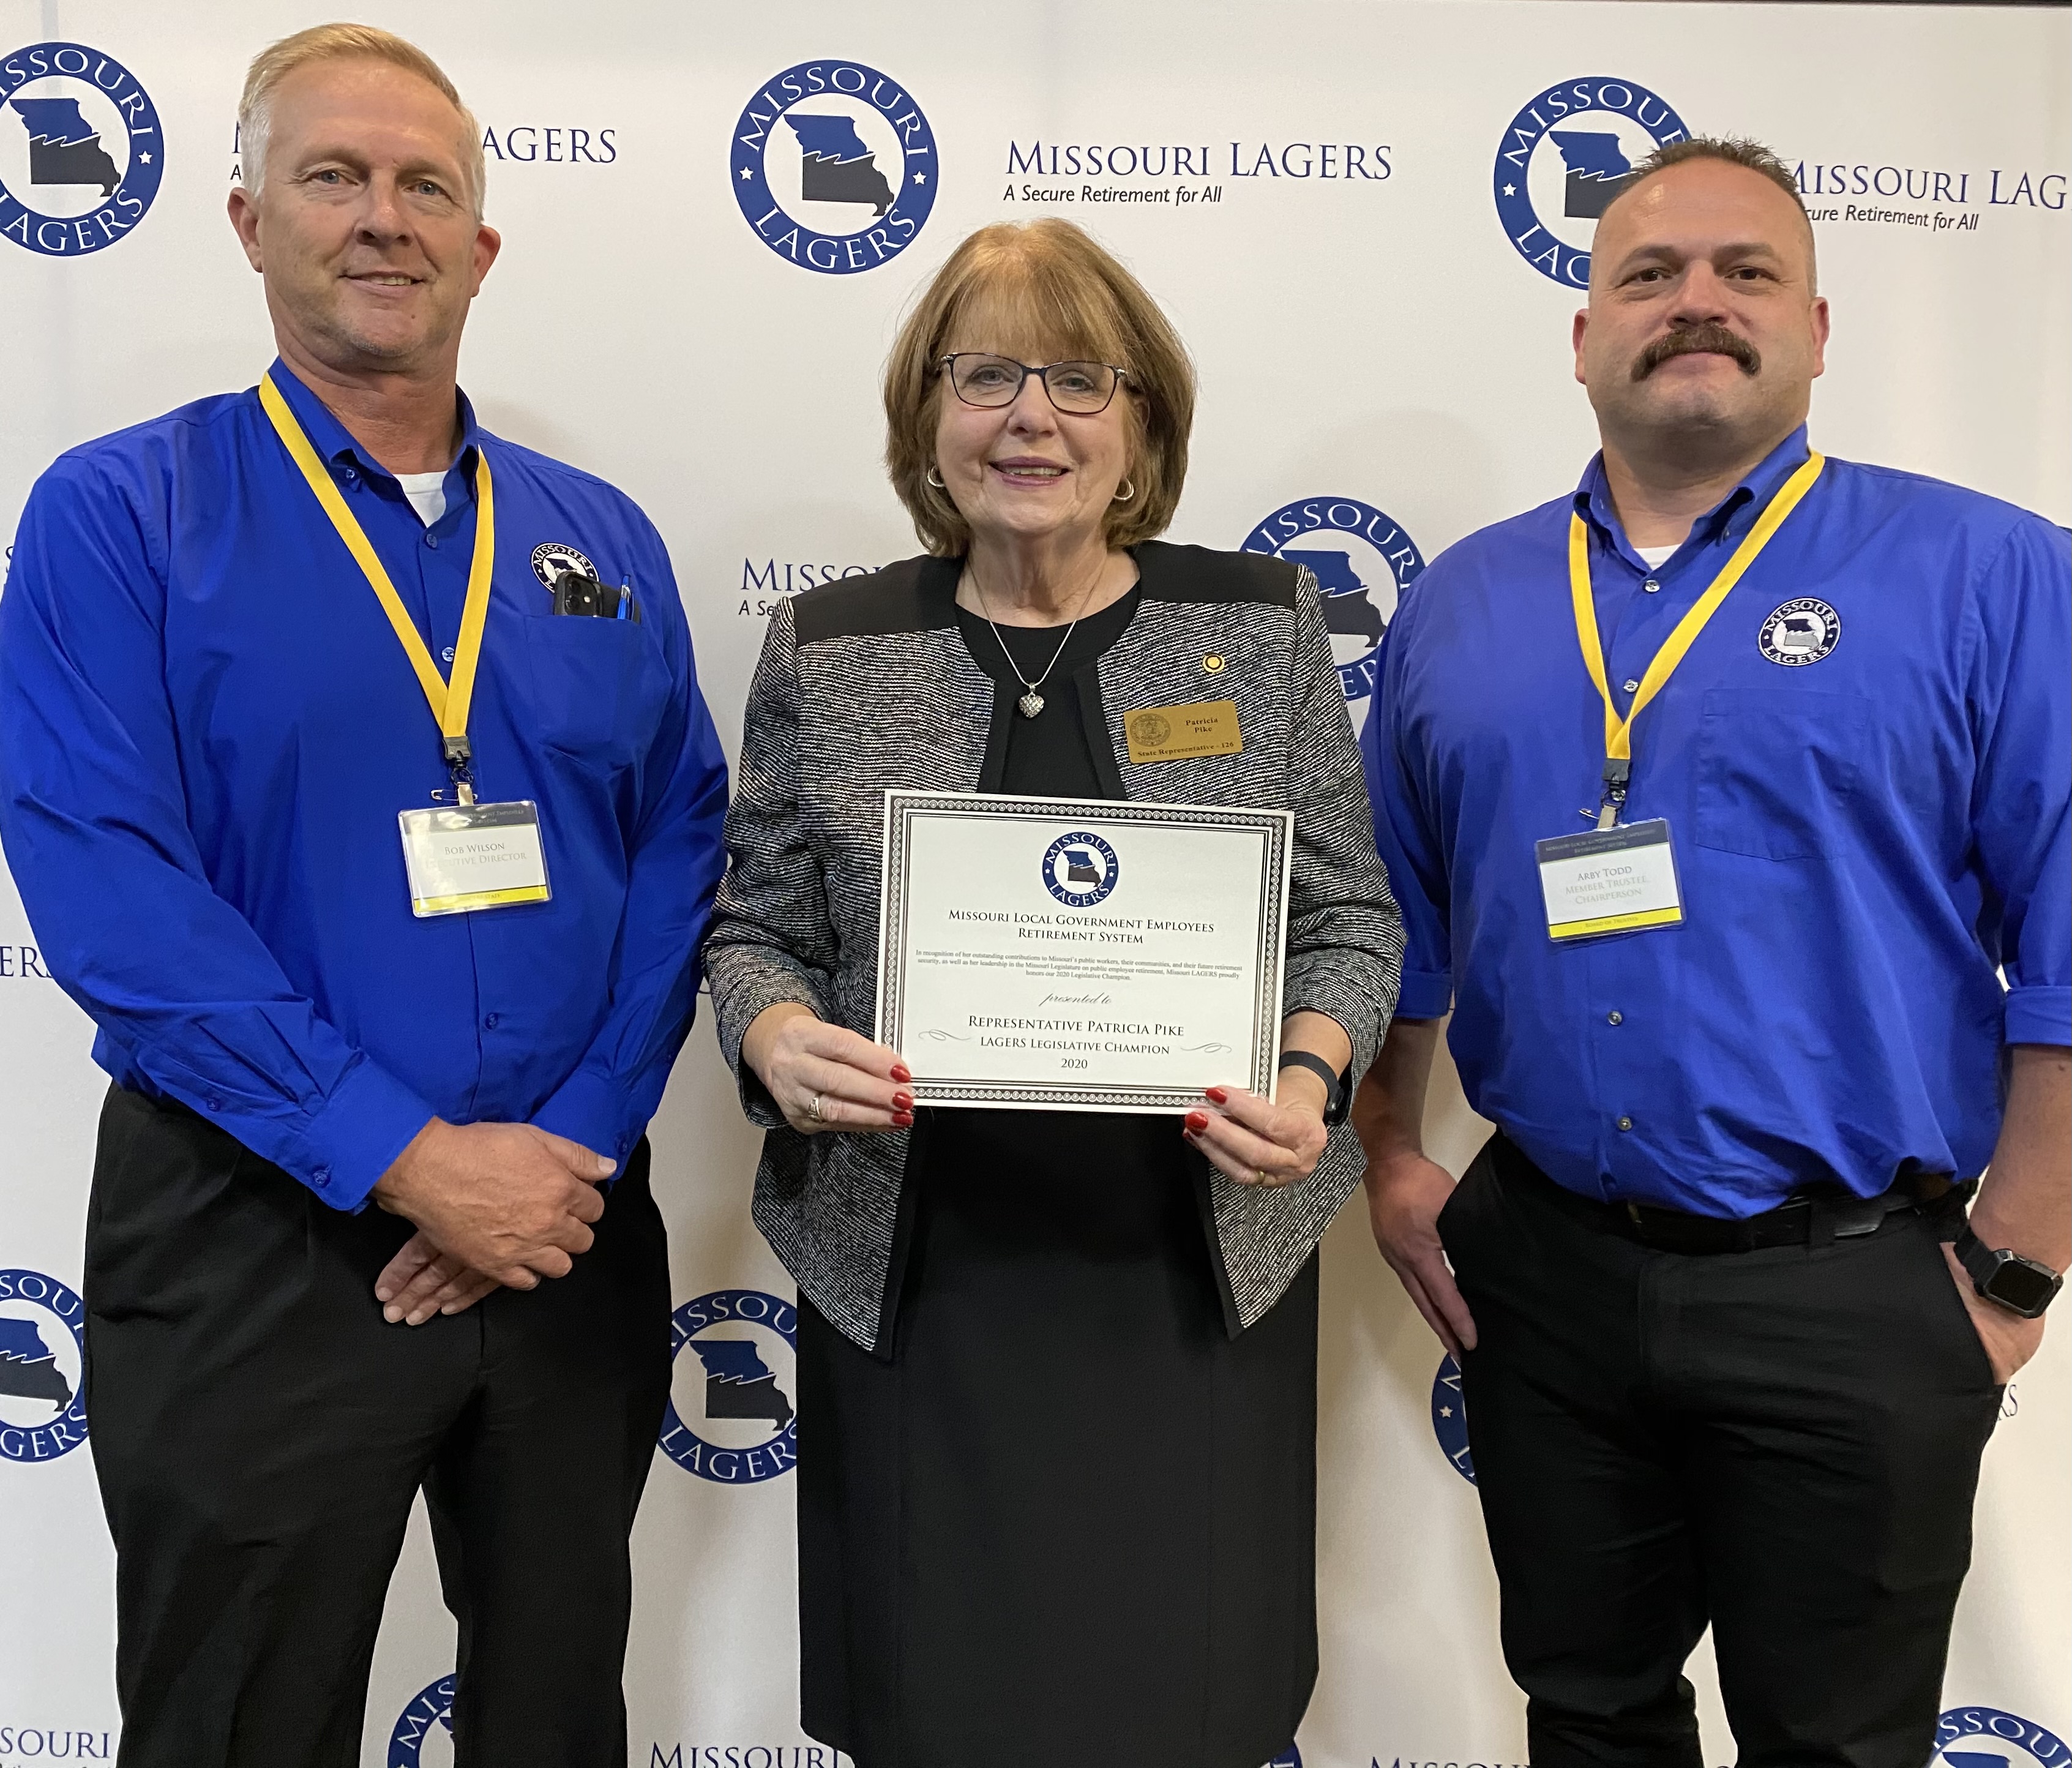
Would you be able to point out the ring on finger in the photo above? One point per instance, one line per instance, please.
(813, 1109)
(1259, 1176)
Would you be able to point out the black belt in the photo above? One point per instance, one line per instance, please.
(1810, 1220)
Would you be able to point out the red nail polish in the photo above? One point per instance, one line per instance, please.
(1217, 1094)
(902, 1119)
(901, 1071)
(903, 1101)
(1197, 1122)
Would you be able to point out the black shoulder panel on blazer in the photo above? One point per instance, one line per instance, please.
(1202, 574)
(915, 595)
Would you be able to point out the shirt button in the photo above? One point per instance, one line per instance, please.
(322, 1175)
(446, 654)
(1630, 685)
(1625, 1123)
(431, 540)
(1615, 1017)
(1651, 585)
(348, 475)
(491, 1021)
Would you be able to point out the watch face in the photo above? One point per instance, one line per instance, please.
(2021, 1286)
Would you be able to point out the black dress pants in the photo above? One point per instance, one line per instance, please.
(1783, 1443)
(259, 1433)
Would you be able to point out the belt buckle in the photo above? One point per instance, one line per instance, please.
(1855, 1216)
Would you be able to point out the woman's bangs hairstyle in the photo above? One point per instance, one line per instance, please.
(1041, 291)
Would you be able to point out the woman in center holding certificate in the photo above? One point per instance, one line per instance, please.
(1057, 1369)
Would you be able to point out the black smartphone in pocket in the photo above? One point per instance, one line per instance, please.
(575, 593)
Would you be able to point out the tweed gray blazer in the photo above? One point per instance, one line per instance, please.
(865, 684)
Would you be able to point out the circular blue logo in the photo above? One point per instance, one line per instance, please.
(1450, 1417)
(834, 166)
(1986, 1737)
(1564, 157)
(429, 1716)
(43, 1358)
(737, 1383)
(1362, 562)
(81, 153)
(1080, 869)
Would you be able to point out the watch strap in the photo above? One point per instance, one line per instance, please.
(1988, 1267)
(1336, 1092)
(1976, 1256)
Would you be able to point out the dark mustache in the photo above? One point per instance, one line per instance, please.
(1692, 340)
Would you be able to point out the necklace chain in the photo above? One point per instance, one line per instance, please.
(1031, 702)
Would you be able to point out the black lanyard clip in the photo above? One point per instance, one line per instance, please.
(460, 765)
(1618, 772)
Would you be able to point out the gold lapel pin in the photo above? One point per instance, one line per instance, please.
(1213, 663)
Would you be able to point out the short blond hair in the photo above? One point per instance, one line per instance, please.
(1041, 286)
(342, 42)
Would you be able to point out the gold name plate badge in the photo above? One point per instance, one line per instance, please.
(1182, 733)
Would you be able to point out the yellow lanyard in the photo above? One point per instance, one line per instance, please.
(1618, 732)
(449, 703)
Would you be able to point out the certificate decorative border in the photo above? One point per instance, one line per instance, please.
(1277, 828)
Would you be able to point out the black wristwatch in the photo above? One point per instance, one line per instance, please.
(2020, 1285)
(1338, 1096)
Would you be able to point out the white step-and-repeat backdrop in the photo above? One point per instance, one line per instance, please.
(1358, 215)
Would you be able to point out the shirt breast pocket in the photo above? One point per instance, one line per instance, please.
(598, 686)
(1779, 769)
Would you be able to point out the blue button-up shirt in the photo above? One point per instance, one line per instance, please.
(208, 728)
(1862, 841)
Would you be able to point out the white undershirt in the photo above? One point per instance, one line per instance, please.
(427, 492)
(1654, 555)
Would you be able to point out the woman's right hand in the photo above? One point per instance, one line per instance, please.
(824, 1077)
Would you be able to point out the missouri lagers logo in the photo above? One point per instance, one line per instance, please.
(81, 151)
(833, 165)
(730, 1418)
(1989, 1737)
(1563, 158)
(1450, 1417)
(1801, 631)
(423, 1736)
(43, 1357)
(1362, 562)
(1081, 870)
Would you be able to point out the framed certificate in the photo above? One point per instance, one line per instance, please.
(1081, 955)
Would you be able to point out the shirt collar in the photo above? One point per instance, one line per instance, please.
(1729, 518)
(336, 448)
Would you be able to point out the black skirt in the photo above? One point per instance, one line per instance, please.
(1069, 1518)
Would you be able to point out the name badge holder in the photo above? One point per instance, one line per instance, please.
(468, 856)
(473, 856)
(1609, 881)
(1622, 877)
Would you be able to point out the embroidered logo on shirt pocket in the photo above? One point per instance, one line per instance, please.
(1776, 769)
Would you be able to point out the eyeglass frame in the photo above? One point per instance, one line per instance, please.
(1041, 371)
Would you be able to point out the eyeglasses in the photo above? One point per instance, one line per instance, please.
(990, 382)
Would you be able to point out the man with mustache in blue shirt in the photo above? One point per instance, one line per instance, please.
(1717, 796)
(355, 778)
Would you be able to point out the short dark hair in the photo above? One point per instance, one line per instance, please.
(1736, 150)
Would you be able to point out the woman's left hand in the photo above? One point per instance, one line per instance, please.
(1256, 1142)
